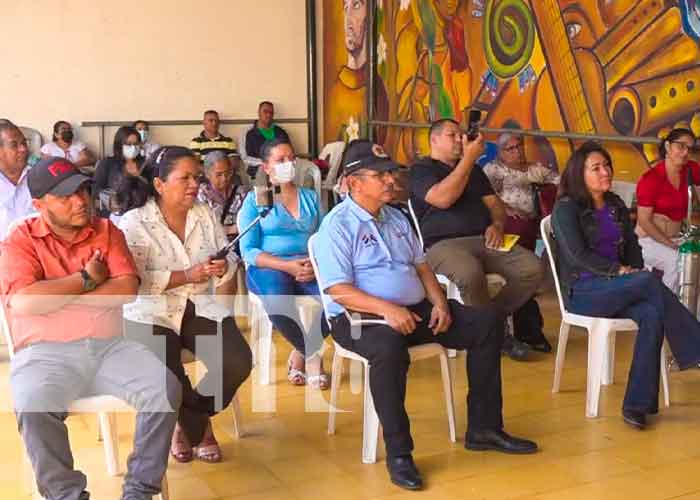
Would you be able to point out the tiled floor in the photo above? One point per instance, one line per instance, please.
(287, 454)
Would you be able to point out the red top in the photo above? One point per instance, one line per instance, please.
(33, 253)
(656, 191)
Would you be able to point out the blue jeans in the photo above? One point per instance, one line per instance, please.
(274, 289)
(642, 297)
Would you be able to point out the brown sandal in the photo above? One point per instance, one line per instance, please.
(181, 451)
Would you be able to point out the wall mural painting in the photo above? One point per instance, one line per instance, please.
(617, 67)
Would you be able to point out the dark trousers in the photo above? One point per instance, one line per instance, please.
(527, 319)
(478, 330)
(642, 297)
(228, 361)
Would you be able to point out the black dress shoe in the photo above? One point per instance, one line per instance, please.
(515, 349)
(404, 473)
(635, 419)
(499, 441)
(537, 342)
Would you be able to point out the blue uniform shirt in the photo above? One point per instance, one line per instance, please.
(279, 233)
(378, 256)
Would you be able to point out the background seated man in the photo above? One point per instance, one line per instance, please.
(64, 278)
(15, 200)
(462, 222)
(371, 261)
(64, 145)
(210, 139)
(512, 179)
(263, 130)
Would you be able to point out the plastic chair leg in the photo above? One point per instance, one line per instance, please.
(609, 361)
(236, 414)
(561, 355)
(336, 377)
(108, 424)
(370, 425)
(265, 349)
(449, 397)
(664, 376)
(597, 346)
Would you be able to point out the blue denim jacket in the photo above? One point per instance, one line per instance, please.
(575, 228)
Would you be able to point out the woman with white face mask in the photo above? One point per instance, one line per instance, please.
(276, 258)
(126, 160)
(148, 146)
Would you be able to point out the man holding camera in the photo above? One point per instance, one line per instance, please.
(462, 221)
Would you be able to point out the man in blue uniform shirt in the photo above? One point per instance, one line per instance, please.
(370, 261)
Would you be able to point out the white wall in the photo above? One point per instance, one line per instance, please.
(86, 60)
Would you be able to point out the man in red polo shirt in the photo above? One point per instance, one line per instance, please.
(64, 276)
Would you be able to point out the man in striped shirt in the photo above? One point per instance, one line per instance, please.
(211, 140)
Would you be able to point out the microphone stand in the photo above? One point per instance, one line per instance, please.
(221, 254)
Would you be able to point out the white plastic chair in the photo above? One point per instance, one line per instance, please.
(370, 420)
(261, 328)
(333, 154)
(248, 161)
(451, 289)
(105, 406)
(601, 340)
(34, 140)
(625, 190)
(306, 173)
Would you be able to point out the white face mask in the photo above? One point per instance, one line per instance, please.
(144, 135)
(284, 172)
(130, 151)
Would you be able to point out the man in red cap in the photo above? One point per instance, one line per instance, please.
(64, 276)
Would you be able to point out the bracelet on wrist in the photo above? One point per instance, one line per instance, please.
(188, 277)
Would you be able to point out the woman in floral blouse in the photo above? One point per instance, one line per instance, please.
(223, 190)
(512, 179)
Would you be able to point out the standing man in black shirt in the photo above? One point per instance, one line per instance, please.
(462, 220)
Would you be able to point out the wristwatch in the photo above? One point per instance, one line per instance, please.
(89, 284)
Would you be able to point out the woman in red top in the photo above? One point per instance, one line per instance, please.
(662, 203)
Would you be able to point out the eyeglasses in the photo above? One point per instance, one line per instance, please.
(512, 148)
(683, 145)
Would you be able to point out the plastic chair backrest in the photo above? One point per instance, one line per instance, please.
(333, 152)
(241, 146)
(13, 225)
(490, 153)
(625, 190)
(5, 325)
(308, 175)
(34, 139)
(415, 223)
(546, 231)
(312, 258)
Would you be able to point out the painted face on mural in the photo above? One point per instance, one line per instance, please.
(355, 14)
(447, 8)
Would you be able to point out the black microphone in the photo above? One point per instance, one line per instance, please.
(264, 200)
(265, 195)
